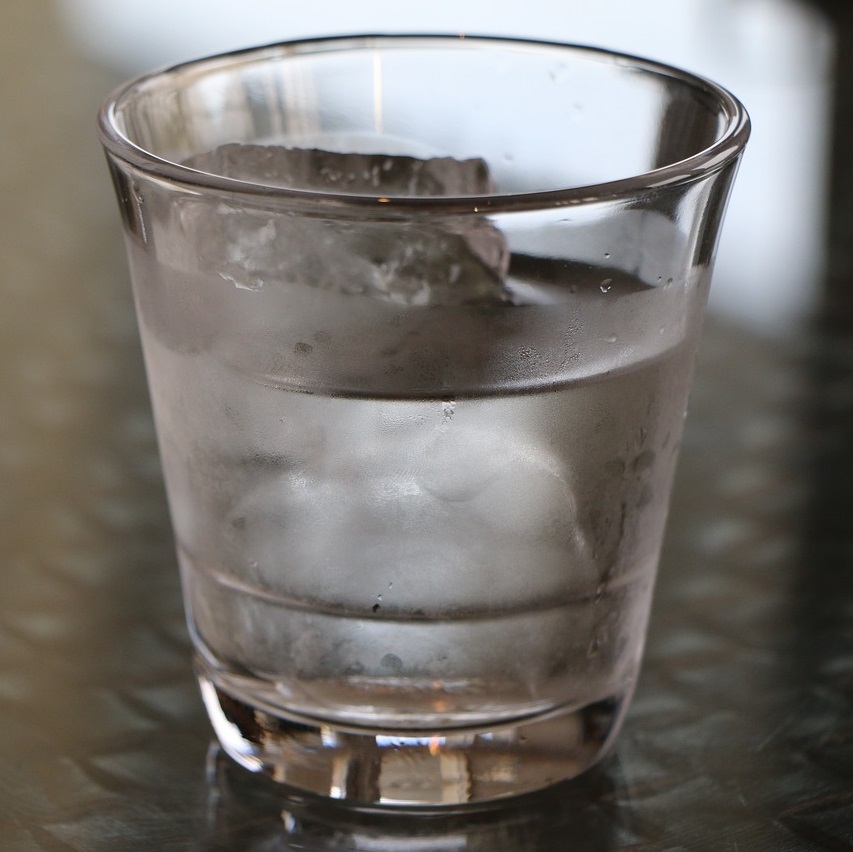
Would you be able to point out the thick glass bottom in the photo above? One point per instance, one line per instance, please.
(365, 767)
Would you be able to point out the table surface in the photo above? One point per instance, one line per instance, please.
(741, 733)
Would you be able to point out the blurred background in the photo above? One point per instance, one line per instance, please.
(741, 732)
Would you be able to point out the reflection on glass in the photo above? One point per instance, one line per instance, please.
(248, 812)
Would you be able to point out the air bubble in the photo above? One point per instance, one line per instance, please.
(644, 461)
(606, 285)
(393, 662)
(593, 648)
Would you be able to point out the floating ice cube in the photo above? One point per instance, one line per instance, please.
(359, 174)
(448, 261)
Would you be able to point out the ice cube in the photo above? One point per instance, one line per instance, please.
(450, 510)
(448, 261)
(360, 174)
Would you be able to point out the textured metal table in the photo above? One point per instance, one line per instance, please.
(741, 734)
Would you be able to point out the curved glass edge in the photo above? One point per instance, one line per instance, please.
(725, 150)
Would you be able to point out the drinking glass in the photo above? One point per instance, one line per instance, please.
(419, 316)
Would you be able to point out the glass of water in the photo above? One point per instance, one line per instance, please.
(419, 317)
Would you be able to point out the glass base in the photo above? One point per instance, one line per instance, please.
(405, 769)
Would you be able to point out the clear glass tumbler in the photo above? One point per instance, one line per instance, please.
(419, 317)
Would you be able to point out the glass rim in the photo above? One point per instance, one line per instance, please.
(725, 149)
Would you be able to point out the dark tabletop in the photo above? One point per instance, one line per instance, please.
(741, 733)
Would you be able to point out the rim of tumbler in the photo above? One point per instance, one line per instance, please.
(715, 157)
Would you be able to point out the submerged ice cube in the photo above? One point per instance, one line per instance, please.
(394, 491)
(448, 260)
